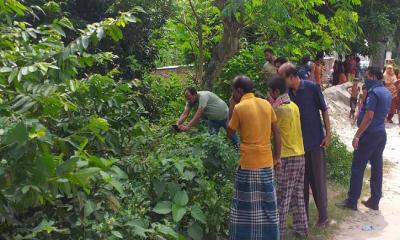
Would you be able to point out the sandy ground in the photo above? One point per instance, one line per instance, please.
(368, 224)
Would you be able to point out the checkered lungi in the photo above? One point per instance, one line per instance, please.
(290, 193)
(254, 214)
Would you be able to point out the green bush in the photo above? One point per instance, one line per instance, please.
(339, 161)
(180, 185)
(163, 96)
(249, 62)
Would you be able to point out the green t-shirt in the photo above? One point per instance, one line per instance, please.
(214, 107)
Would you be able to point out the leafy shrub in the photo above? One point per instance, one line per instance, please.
(181, 182)
(163, 96)
(339, 161)
(249, 62)
(58, 131)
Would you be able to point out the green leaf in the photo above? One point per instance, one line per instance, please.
(167, 231)
(46, 165)
(84, 174)
(85, 42)
(59, 30)
(195, 232)
(89, 208)
(159, 188)
(181, 198)
(117, 234)
(117, 185)
(100, 33)
(32, 68)
(24, 70)
(26, 107)
(163, 207)
(118, 172)
(178, 212)
(20, 102)
(18, 134)
(198, 214)
(5, 69)
(12, 75)
(139, 227)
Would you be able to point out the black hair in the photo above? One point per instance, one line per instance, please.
(364, 87)
(278, 83)
(358, 59)
(320, 55)
(269, 50)
(191, 90)
(243, 82)
(281, 60)
(305, 60)
(291, 71)
(376, 72)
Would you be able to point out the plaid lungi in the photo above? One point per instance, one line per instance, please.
(254, 214)
(290, 193)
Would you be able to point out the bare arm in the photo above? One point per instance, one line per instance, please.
(277, 143)
(327, 124)
(369, 115)
(349, 89)
(194, 120)
(183, 117)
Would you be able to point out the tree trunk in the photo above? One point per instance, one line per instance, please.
(200, 63)
(225, 49)
(378, 57)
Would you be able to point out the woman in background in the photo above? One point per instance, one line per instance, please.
(339, 76)
(390, 80)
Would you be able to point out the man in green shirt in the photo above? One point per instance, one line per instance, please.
(209, 105)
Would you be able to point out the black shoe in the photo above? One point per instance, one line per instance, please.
(346, 205)
(369, 205)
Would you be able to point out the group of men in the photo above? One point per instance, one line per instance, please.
(284, 139)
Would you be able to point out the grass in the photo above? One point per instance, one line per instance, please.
(335, 193)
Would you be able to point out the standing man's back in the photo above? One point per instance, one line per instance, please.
(369, 142)
(310, 100)
(253, 116)
(254, 209)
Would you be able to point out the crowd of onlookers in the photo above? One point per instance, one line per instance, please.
(282, 141)
(344, 70)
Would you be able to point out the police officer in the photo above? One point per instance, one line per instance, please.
(369, 142)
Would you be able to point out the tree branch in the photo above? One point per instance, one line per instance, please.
(184, 23)
(194, 11)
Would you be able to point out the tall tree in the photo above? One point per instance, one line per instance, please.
(136, 51)
(379, 21)
(292, 25)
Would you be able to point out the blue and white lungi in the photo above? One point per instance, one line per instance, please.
(254, 214)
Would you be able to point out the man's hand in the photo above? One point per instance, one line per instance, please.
(356, 140)
(232, 101)
(277, 163)
(326, 141)
(184, 128)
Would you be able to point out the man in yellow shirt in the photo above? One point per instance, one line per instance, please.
(254, 208)
(290, 174)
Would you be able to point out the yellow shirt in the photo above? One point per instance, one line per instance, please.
(253, 118)
(288, 116)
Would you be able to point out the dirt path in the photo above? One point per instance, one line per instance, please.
(368, 224)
